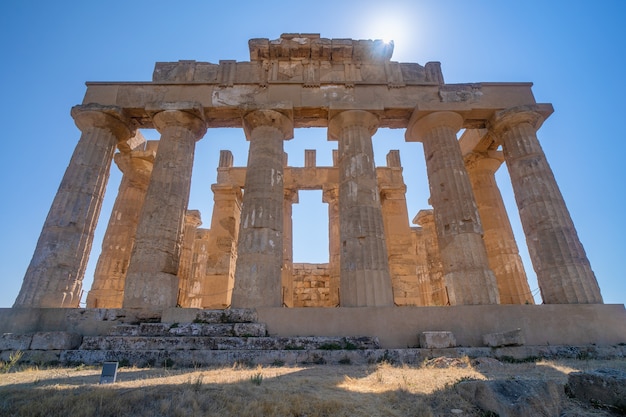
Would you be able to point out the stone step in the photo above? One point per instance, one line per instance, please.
(121, 343)
(201, 357)
(231, 315)
(191, 329)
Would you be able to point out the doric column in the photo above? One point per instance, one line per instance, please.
(330, 195)
(400, 244)
(429, 265)
(466, 268)
(365, 279)
(258, 279)
(107, 290)
(291, 197)
(151, 280)
(193, 220)
(55, 274)
(559, 259)
(502, 250)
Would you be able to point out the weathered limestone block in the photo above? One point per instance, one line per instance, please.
(188, 315)
(514, 398)
(509, 338)
(55, 341)
(437, 340)
(13, 341)
(193, 220)
(605, 388)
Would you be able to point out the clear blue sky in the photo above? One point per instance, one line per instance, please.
(573, 51)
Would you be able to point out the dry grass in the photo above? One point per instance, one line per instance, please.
(322, 390)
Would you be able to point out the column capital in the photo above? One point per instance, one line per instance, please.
(291, 195)
(193, 218)
(506, 119)
(419, 125)
(424, 217)
(277, 119)
(184, 114)
(351, 118)
(489, 161)
(111, 118)
(330, 194)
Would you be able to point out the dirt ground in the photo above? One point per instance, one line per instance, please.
(320, 390)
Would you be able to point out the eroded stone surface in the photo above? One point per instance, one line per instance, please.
(437, 340)
(514, 398)
(508, 338)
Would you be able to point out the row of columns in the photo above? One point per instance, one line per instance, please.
(56, 271)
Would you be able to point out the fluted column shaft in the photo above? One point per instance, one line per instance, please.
(258, 278)
(466, 268)
(152, 274)
(291, 197)
(185, 268)
(365, 279)
(55, 274)
(107, 290)
(330, 195)
(559, 259)
(502, 250)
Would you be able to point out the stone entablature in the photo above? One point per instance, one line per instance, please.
(308, 60)
(352, 89)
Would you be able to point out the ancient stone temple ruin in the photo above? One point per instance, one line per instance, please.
(461, 252)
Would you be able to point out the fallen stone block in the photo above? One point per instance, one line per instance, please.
(509, 338)
(437, 340)
(604, 388)
(13, 341)
(55, 341)
(514, 398)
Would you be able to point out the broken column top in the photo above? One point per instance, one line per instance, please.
(303, 46)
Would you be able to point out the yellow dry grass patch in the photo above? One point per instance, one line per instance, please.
(313, 391)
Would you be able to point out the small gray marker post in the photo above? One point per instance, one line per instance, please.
(109, 372)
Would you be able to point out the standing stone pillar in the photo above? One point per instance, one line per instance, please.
(429, 266)
(502, 250)
(559, 259)
(151, 280)
(365, 279)
(55, 274)
(107, 290)
(466, 268)
(330, 195)
(400, 241)
(291, 197)
(193, 220)
(258, 277)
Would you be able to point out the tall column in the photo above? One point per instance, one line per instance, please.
(107, 290)
(55, 274)
(365, 279)
(466, 268)
(429, 267)
(502, 250)
(185, 268)
(151, 280)
(559, 259)
(400, 242)
(291, 197)
(330, 195)
(258, 279)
